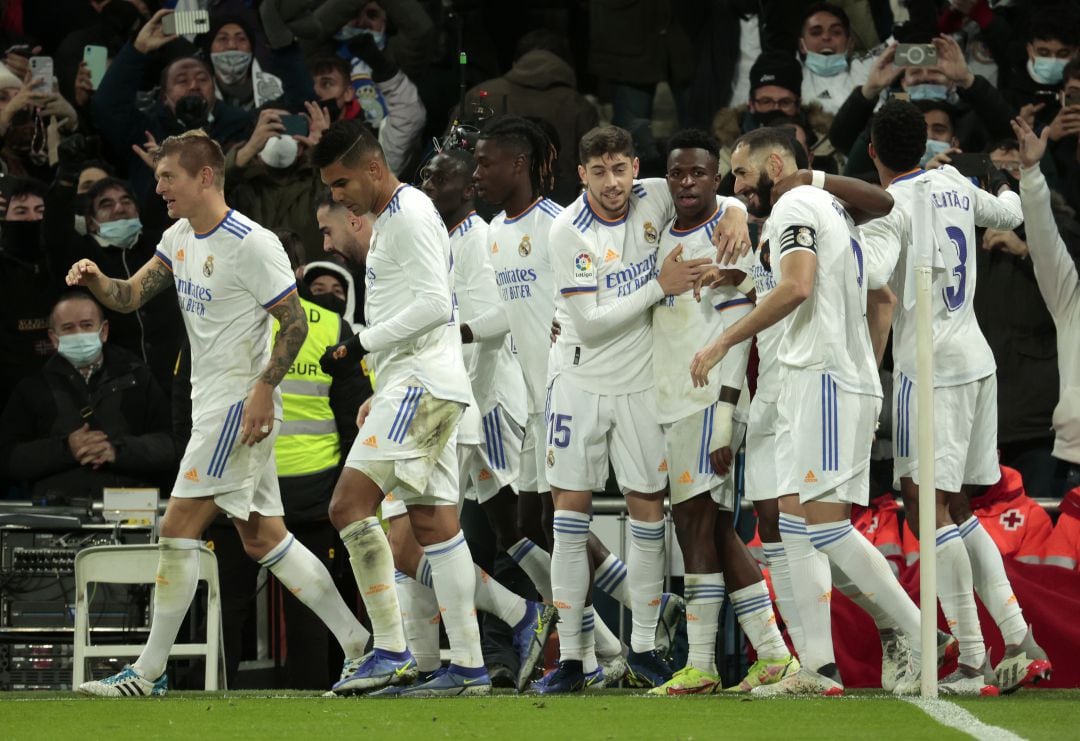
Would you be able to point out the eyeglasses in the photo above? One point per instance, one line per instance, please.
(771, 104)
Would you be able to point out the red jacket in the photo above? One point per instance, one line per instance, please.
(1062, 548)
(880, 524)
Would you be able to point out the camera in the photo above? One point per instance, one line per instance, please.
(916, 55)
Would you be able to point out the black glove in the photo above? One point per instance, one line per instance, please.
(342, 357)
(998, 180)
(363, 47)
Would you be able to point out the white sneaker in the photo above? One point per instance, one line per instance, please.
(1024, 664)
(803, 682)
(614, 667)
(125, 683)
(895, 656)
(969, 681)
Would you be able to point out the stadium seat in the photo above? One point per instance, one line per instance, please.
(137, 564)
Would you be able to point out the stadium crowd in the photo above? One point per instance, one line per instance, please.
(494, 112)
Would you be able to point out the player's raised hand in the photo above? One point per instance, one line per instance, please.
(705, 360)
(1032, 147)
(731, 236)
(257, 420)
(678, 275)
(84, 273)
(342, 357)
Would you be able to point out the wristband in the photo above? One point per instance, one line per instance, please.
(817, 179)
(746, 286)
(722, 426)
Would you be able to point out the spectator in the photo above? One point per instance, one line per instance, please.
(830, 72)
(1065, 135)
(28, 288)
(1059, 283)
(89, 173)
(112, 26)
(187, 101)
(988, 31)
(26, 114)
(542, 84)
(1063, 546)
(93, 418)
(26, 201)
(270, 179)
(333, 88)
(120, 243)
(1052, 41)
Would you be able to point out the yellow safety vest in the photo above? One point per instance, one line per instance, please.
(308, 442)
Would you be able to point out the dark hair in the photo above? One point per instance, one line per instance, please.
(898, 132)
(605, 140)
(323, 65)
(98, 189)
(774, 136)
(547, 40)
(75, 294)
(163, 81)
(694, 139)
(779, 118)
(326, 200)
(527, 138)
(1055, 23)
(829, 8)
(294, 247)
(196, 150)
(926, 106)
(463, 158)
(23, 187)
(102, 165)
(348, 141)
(1009, 145)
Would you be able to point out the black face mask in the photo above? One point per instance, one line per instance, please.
(330, 302)
(192, 111)
(332, 108)
(21, 239)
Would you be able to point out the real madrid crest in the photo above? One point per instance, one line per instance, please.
(651, 234)
(208, 266)
(551, 457)
(804, 238)
(525, 247)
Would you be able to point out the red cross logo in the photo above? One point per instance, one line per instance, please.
(873, 525)
(1011, 520)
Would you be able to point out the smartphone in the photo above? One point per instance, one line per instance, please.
(974, 165)
(1072, 97)
(186, 22)
(915, 55)
(294, 124)
(41, 68)
(95, 59)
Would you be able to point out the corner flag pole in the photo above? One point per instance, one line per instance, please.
(923, 244)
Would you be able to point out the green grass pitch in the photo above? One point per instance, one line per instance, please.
(1033, 714)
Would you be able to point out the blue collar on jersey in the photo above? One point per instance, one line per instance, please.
(216, 226)
(908, 175)
(511, 219)
(683, 232)
(602, 221)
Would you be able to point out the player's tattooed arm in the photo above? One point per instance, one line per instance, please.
(121, 295)
(293, 322)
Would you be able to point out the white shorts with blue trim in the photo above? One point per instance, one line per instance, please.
(823, 438)
(688, 442)
(586, 430)
(241, 479)
(762, 479)
(533, 468)
(408, 445)
(965, 433)
(488, 467)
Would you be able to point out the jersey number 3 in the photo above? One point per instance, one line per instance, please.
(954, 295)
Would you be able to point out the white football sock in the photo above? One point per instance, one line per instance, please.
(373, 566)
(869, 571)
(607, 643)
(704, 596)
(177, 577)
(811, 588)
(957, 595)
(645, 569)
(454, 579)
(992, 583)
(492, 597)
(536, 563)
(570, 579)
(610, 578)
(420, 618)
(776, 556)
(588, 639)
(302, 573)
(844, 585)
(753, 608)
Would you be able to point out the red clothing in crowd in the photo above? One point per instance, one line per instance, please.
(1062, 548)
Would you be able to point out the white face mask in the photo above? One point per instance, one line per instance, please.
(231, 66)
(280, 151)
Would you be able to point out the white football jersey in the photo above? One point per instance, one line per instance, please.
(766, 273)
(519, 254)
(226, 281)
(609, 260)
(682, 326)
(961, 353)
(828, 330)
(412, 331)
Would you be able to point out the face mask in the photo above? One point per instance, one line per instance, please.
(121, 233)
(351, 32)
(928, 92)
(933, 149)
(231, 66)
(279, 152)
(80, 348)
(192, 112)
(1047, 70)
(826, 65)
(330, 302)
